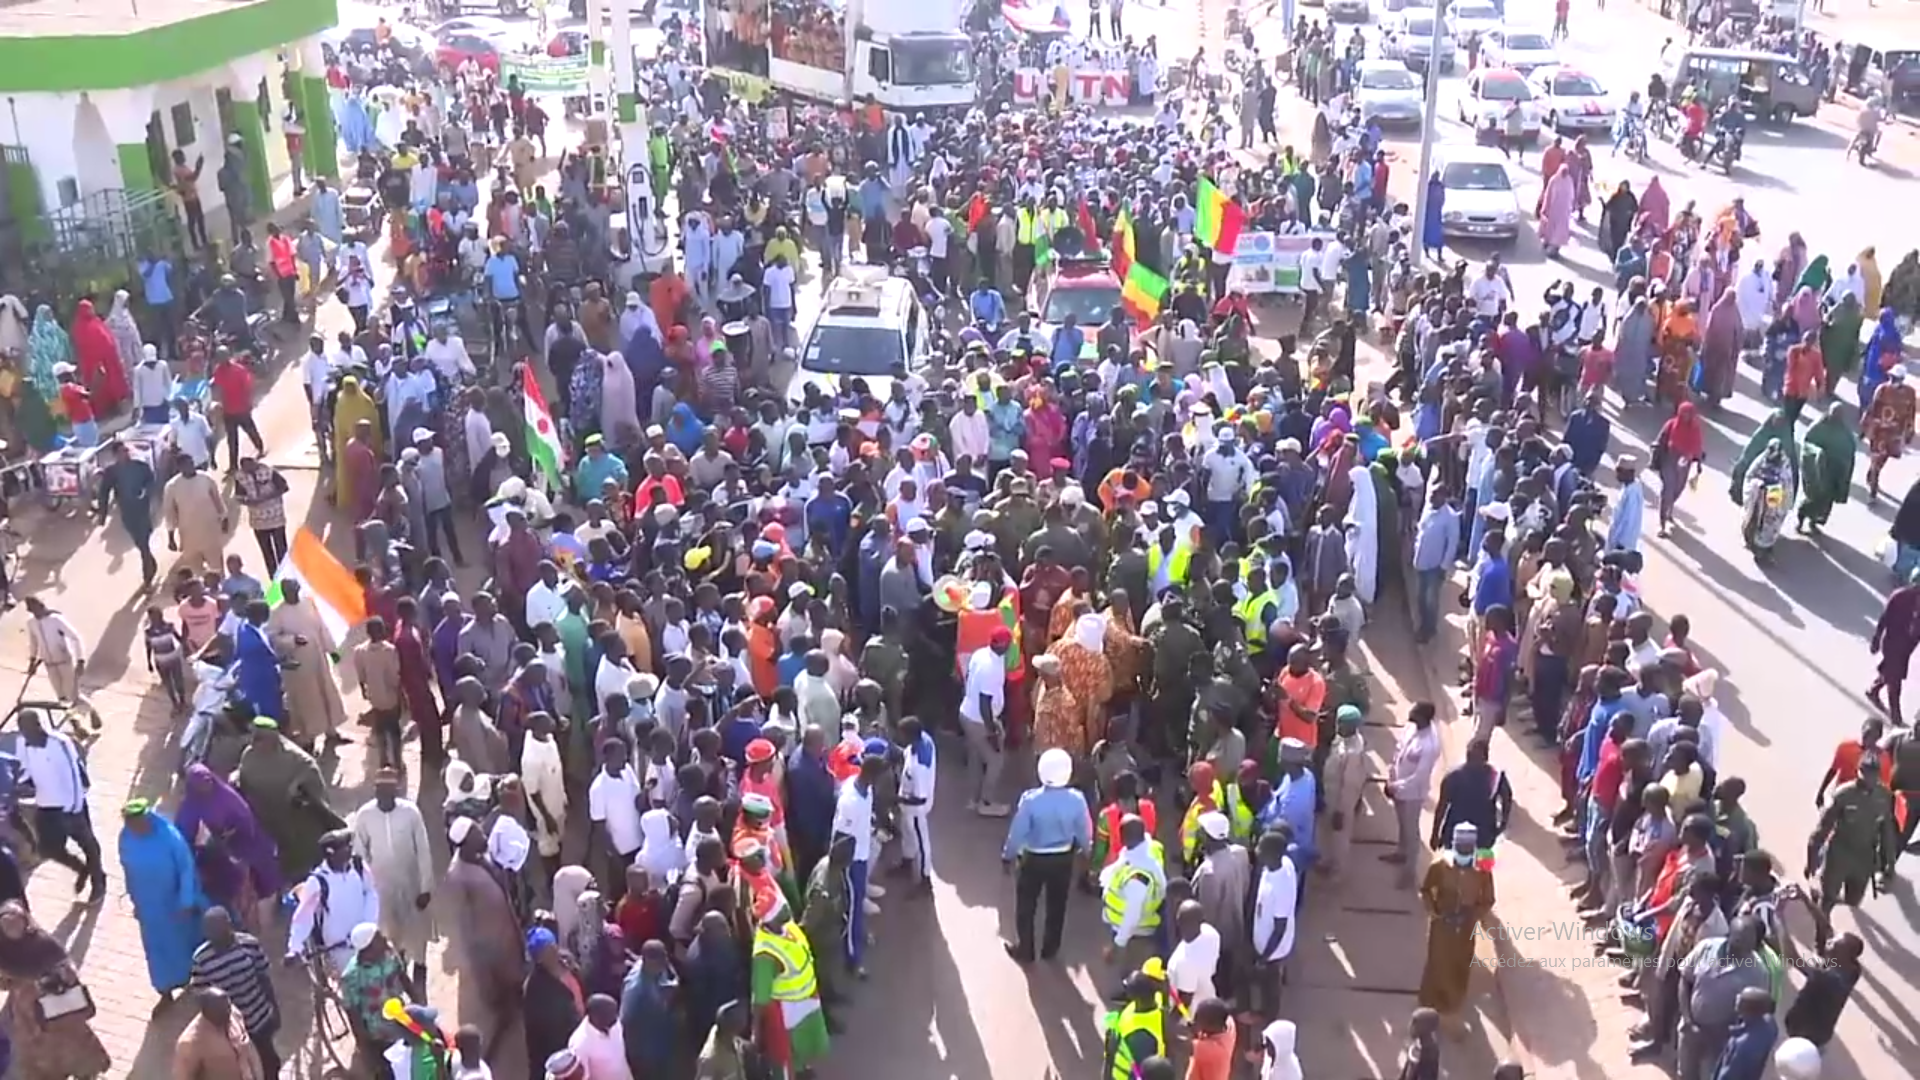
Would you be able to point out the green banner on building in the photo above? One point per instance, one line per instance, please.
(547, 74)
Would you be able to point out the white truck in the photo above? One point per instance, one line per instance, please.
(908, 57)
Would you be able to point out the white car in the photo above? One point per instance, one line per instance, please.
(1480, 202)
(1575, 102)
(871, 326)
(1523, 50)
(1489, 97)
(1349, 11)
(1389, 94)
(1468, 19)
(1410, 40)
(487, 26)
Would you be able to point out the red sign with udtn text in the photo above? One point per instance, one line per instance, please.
(1087, 86)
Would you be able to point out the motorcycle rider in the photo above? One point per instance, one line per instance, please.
(1632, 121)
(1866, 138)
(1729, 132)
(1695, 116)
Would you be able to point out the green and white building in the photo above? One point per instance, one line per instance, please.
(95, 95)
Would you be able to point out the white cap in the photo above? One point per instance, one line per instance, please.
(1215, 824)
(1179, 497)
(1056, 768)
(421, 434)
(361, 936)
(461, 828)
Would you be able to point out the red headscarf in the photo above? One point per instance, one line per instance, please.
(1684, 435)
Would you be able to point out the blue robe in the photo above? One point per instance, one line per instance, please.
(257, 676)
(167, 902)
(1432, 235)
(327, 216)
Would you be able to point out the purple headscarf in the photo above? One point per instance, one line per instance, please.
(212, 802)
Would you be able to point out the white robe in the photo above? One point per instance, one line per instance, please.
(1363, 535)
(1754, 296)
(399, 855)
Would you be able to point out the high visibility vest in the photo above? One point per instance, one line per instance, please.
(1122, 1024)
(1176, 566)
(1052, 221)
(1114, 905)
(1109, 825)
(1239, 813)
(1253, 619)
(1190, 825)
(795, 980)
(1024, 236)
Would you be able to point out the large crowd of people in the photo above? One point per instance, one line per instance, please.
(651, 618)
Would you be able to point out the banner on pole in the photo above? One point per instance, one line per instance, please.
(547, 74)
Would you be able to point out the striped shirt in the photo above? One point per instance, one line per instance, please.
(242, 972)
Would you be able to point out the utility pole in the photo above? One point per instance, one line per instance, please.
(1429, 125)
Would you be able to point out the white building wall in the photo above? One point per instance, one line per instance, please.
(70, 143)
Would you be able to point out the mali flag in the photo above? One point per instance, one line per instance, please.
(1219, 219)
(1142, 292)
(1121, 244)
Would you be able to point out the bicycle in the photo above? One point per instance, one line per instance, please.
(330, 1022)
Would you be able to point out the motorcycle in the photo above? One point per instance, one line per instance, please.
(1725, 148)
(1768, 499)
(1636, 143)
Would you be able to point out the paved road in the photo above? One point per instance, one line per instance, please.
(945, 1002)
(1790, 637)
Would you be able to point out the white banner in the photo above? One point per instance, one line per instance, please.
(1088, 86)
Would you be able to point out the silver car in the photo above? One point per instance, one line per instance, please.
(1411, 42)
(1389, 94)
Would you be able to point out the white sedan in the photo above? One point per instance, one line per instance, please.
(489, 26)
(1575, 102)
(1479, 200)
(1468, 19)
(1491, 95)
(1523, 50)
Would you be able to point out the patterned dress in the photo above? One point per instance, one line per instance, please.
(1058, 720)
(1090, 677)
(1889, 420)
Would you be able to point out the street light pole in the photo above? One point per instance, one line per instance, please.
(1429, 123)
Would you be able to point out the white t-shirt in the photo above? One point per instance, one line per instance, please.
(1190, 969)
(938, 231)
(853, 817)
(917, 780)
(1274, 898)
(779, 284)
(986, 675)
(1488, 294)
(1332, 258)
(610, 799)
(316, 371)
(1310, 271)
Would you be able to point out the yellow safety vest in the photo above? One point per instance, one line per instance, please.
(1190, 824)
(795, 980)
(1053, 220)
(1121, 1024)
(1176, 569)
(1240, 814)
(1114, 905)
(1252, 615)
(1025, 234)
